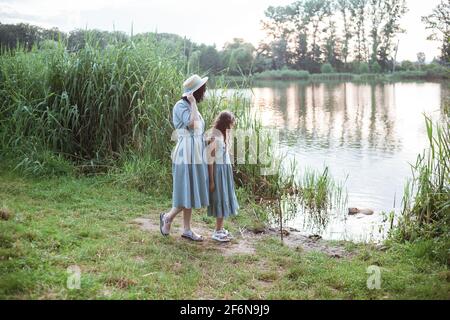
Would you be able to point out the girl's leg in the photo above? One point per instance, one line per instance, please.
(219, 224)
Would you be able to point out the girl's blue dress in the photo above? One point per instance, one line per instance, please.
(223, 201)
(189, 169)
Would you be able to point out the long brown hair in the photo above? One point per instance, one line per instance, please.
(223, 122)
(199, 94)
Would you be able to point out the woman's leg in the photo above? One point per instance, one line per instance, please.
(187, 216)
(173, 213)
(168, 217)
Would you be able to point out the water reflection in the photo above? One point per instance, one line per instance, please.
(370, 132)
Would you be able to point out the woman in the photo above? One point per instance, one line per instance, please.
(189, 170)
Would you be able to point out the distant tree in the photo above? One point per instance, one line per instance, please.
(421, 58)
(377, 14)
(375, 67)
(26, 35)
(332, 50)
(439, 24)
(326, 68)
(343, 7)
(278, 25)
(238, 57)
(395, 10)
(407, 65)
(316, 12)
(209, 59)
(363, 68)
(358, 9)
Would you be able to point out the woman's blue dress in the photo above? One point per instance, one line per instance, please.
(189, 169)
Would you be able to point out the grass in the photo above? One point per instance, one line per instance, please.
(86, 221)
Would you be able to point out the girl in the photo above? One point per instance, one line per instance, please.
(223, 201)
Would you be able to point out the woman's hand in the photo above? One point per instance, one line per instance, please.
(191, 99)
(212, 187)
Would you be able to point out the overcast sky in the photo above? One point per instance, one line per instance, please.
(203, 21)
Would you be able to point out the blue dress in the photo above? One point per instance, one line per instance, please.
(189, 169)
(223, 201)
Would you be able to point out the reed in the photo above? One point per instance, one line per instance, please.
(90, 104)
(426, 199)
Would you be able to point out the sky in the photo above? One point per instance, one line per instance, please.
(203, 21)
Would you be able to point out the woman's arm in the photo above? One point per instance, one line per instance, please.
(195, 117)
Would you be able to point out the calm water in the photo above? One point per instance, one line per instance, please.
(366, 134)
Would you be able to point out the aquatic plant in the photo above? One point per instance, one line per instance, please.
(426, 199)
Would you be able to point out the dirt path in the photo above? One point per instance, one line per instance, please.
(245, 241)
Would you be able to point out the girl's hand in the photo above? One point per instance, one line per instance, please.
(191, 98)
(212, 187)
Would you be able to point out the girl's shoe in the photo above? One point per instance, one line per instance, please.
(191, 235)
(220, 236)
(226, 232)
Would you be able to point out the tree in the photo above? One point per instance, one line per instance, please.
(421, 58)
(377, 14)
(316, 12)
(395, 10)
(238, 56)
(278, 25)
(358, 13)
(332, 46)
(326, 68)
(344, 9)
(439, 24)
(26, 35)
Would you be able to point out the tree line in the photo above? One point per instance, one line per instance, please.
(357, 36)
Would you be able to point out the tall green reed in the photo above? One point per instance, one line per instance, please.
(426, 199)
(92, 104)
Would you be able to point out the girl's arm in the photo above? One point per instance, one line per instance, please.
(212, 145)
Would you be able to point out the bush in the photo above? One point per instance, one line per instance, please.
(363, 68)
(284, 74)
(326, 68)
(375, 67)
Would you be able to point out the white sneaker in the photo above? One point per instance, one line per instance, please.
(226, 232)
(220, 236)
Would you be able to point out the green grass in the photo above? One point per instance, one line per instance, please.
(86, 221)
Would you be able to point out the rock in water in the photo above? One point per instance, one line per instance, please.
(353, 211)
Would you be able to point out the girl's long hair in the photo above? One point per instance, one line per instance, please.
(223, 122)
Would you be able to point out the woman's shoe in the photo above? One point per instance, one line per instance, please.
(191, 235)
(162, 224)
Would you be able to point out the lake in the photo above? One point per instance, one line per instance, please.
(367, 134)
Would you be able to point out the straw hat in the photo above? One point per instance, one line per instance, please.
(193, 84)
